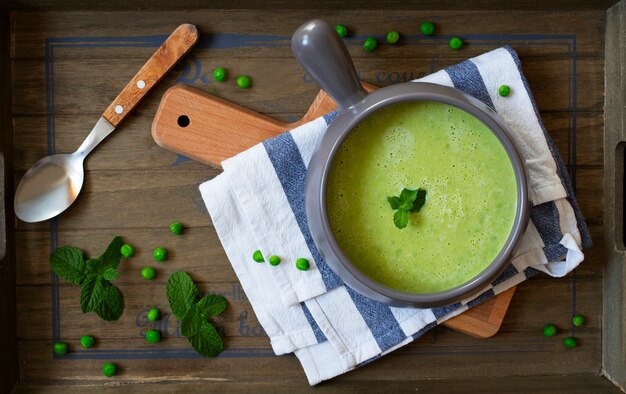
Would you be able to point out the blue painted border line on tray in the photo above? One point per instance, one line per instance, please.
(225, 41)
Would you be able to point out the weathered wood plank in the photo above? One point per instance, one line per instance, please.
(8, 336)
(31, 30)
(529, 311)
(196, 251)
(590, 194)
(132, 145)
(583, 384)
(548, 78)
(614, 331)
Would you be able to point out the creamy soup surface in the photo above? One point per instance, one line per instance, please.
(470, 203)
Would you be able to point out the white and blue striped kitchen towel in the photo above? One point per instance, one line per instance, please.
(258, 203)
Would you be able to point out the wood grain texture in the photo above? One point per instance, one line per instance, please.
(614, 328)
(169, 53)
(135, 189)
(214, 130)
(8, 334)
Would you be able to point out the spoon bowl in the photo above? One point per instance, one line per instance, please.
(49, 187)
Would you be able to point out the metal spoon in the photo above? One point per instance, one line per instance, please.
(51, 185)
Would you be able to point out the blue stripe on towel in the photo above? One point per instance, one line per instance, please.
(289, 166)
(291, 171)
(481, 298)
(329, 117)
(560, 166)
(546, 219)
(444, 310)
(509, 272)
(319, 335)
(466, 77)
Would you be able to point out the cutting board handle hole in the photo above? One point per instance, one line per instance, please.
(183, 121)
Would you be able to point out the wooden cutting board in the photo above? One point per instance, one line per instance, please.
(210, 130)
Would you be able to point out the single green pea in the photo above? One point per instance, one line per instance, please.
(127, 250)
(341, 30)
(370, 44)
(258, 256)
(302, 264)
(427, 28)
(154, 314)
(455, 43)
(148, 273)
(87, 341)
(153, 336)
(176, 228)
(59, 348)
(160, 254)
(109, 369)
(393, 37)
(504, 90)
(220, 74)
(570, 342)
(274, 260)
(549, 330)
(578, 320)
(243, 81)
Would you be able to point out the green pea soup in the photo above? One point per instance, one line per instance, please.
(470, 203)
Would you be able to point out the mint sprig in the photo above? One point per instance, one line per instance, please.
(409, 201)
(193, 313)
(94, 275)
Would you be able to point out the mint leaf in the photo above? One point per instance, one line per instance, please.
(111, 305)
(401, 218)
(408, 195)
(420, 199)
(110, 274)
(190, 324)
(212, 305)
(207, 341)
(395, 202)
(182, 293)
(68, 262)
(91, 292)
(112, 256)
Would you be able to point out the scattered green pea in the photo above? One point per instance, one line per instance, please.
(154, 314)
(176, 228)
(87, 341)
(153, 336)
(243, 81)
(109, 369)
(127, 250)
(393, 37)
(160, 254)
(148, 273)
(258, 256)
(302, 264)
(578, 320)
(220, 74)
(570, 342)
(549, 330)
(455, 43)
(341, 30)
(370, 44)
(427, 28)
(274, 260)
(504, 90)
(60, 348)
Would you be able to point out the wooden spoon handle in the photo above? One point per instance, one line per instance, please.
(168, 54)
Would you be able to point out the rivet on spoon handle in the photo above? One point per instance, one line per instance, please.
(168, 54)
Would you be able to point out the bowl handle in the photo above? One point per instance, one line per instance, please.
(322, 53)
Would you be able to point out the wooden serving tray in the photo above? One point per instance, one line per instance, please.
(210, 130)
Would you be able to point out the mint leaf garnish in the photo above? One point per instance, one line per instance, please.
(182, 293)
(97, 293)
(193, 314)
(408, 201)
(69, 263)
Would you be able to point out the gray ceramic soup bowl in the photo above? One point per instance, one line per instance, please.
(323, 54)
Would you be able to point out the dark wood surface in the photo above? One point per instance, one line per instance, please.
(135, 189)
(8, 335)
